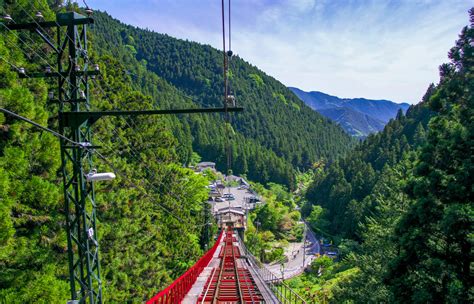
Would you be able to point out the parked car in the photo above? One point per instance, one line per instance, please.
(229, 196)
(219, 199)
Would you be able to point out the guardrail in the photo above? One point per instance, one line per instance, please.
(283, 292)
(176, 292)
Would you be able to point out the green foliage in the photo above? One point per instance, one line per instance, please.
(195, 159)
(317, 220)
(434, 237)
(258, 80)
(269, 139)
(279, 97)
(296, 106)
(323, 281)
(273, 224)
(405, 196)
(141, 251)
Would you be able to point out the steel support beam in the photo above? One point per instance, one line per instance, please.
(74, 119)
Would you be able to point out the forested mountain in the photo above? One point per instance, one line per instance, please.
(354, 122)
(150, 217)
(141, 251)
(358, 116)
(400, 206)
(275, 134)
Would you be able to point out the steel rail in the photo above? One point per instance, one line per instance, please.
(221, 270)
(247, 285)
(208, 285)
(236, 271)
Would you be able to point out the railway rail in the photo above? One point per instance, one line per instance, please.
(230, 283)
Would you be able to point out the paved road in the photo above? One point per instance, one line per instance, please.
(239, 201)
(295, 266)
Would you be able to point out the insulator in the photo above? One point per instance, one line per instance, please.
(89, 11)
(96, 67)
(50, 95)
(82, 94)
(39, 15)
(21, 70)
(77, 68)
(229, 53)
(47, 69)
(7, 17)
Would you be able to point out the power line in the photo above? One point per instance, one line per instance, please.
(84, 146)
(41, 127)
(36, 53)
(134, 152)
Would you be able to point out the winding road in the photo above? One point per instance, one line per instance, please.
(295, 266)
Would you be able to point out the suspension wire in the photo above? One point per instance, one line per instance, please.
(36, 53)
(34, 20)
(226, 117)
(154, 186)
(86, 58)
(85, 147)
(12, 65)
(134, 152)
(225, 56)
(230, 41)
(229, 152)
(80, 145)
(41, 127)
(227, 90)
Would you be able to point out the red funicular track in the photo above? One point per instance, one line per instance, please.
(230, 283)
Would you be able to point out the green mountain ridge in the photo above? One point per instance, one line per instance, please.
(358, 116)
(400, 206)
(141, 251)
(271, 134)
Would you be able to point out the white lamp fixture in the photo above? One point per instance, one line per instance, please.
(231, 100)
(93, 176)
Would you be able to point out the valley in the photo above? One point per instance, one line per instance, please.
(136, 167)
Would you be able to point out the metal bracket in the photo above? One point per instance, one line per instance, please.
(76, 119)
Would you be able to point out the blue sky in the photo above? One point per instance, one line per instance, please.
(375, 49)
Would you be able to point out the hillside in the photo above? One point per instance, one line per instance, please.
(399, 206)
(153, 196)
(139, 213)
(358, 116)
(275, 134)
(355, 123)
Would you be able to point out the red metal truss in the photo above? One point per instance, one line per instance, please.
(176, 292)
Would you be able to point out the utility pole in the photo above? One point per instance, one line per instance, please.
(79, 200)
(205, 237)
(75, 120)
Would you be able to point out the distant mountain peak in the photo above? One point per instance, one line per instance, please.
(358, 116)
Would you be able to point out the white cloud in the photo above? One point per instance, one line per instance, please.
(373, 49)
